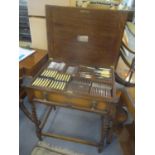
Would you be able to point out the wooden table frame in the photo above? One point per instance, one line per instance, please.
(29, 67)
(107, 117)
(106, 125)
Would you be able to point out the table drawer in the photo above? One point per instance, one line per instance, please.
(70, 100)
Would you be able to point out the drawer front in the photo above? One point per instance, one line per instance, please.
(38, 94)
(73, 101)
(70, 100)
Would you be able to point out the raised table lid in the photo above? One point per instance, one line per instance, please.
(85, 36)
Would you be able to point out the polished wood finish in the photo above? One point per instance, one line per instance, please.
(126, 134)
(29, 67)
(104, 29)
(74, 101)
(131, 92)
(126, 137)
(32, 64)
(71, 139)
(127, 99)
(36, 121)
(81, 37)
(106, 107)
(70, 106)
(104, 130)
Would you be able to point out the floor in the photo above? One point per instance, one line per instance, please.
(74, 123)
(69, 122)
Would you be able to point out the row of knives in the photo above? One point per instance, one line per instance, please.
(49, 73)
(56, 75)
(43, 82)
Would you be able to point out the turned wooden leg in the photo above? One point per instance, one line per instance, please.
(36, 121)
(25, 111)
(104, 128)
(54, 107)
(109, 133)
(111, 124)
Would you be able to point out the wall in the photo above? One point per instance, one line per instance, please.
(36, 12)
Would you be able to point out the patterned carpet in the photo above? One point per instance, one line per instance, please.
(43, 148)
(82, 125)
